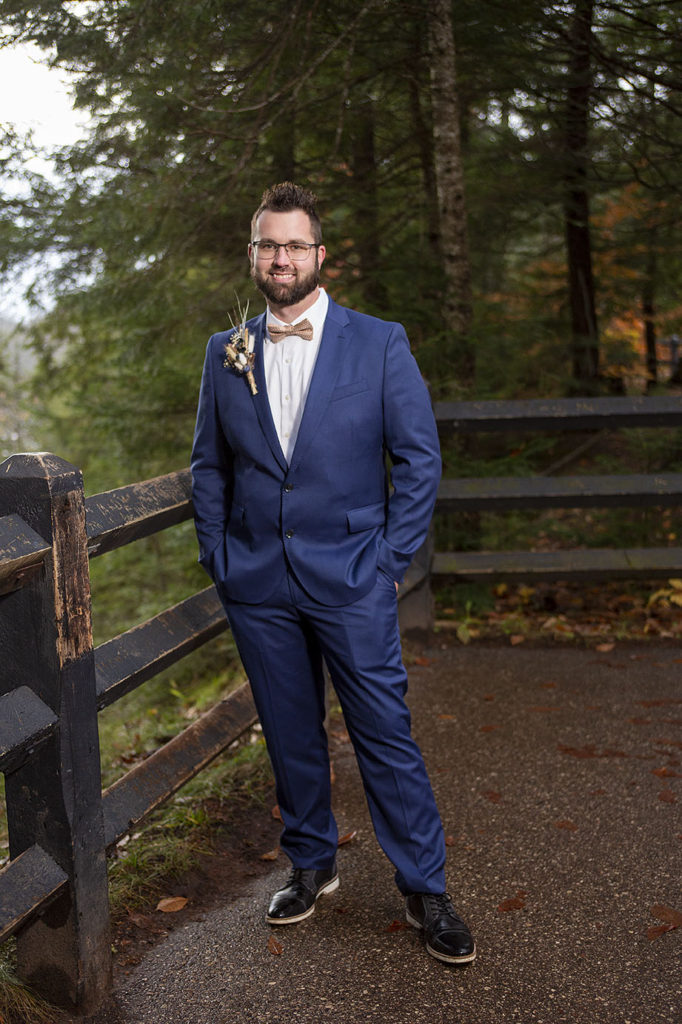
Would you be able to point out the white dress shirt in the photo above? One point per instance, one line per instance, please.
(289, 365)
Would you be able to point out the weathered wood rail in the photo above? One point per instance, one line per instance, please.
(53, 892)
(501, 493)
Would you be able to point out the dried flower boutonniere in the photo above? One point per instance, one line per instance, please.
(239, 354)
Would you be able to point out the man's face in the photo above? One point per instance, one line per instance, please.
(283, 281)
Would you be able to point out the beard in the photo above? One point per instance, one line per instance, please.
(281, 294)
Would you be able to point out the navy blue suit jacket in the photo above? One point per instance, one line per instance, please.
(333, 513)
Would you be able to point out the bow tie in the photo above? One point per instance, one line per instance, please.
(303, 329)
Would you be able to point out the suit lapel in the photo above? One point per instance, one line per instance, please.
(323, 381)
(261, 400)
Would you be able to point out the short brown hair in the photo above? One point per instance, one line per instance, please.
(285, 197)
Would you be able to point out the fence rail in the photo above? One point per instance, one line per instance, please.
(53, 892)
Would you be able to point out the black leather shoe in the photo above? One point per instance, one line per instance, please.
(296, 900)
(447, 936)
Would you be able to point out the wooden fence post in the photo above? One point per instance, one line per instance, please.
(415, 608)
(54, 797)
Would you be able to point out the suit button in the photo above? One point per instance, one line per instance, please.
(289, 534)
(288, 487)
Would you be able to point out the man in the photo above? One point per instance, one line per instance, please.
(306, 546)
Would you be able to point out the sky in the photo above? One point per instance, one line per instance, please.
(37, 97)
(34, 96)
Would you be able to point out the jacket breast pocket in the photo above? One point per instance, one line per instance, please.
(366, 518)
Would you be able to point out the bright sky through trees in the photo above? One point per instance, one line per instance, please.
(35, 96)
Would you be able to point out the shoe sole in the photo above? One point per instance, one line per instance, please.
(443, 957)
(324, 890)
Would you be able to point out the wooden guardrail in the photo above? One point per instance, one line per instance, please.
(53, 892)
(501, 493)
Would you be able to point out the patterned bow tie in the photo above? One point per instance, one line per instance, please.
(303, 329)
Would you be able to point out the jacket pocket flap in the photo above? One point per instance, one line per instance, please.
(365, 518)
(346, 390)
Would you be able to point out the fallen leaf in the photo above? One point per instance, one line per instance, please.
(667, 796)
(516, 639)
(605, 648)
(275, 946)
(548, 686)
(667, 914)
(446, 717)
(672, 919)
(570, 826)
(275, 812)
(488, 696)
(348, 837)
(145, 921)
(589, 751)
(488, 728)
(271, 854)
(493, 796)
(397, 926)
(171, 904)
(513, 903)
(450, 840)
(665, 773)
(420, 660)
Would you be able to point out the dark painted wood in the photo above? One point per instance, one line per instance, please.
(587, 564)
(415, 599)
(54, 798)
(25, 723)
(22, 553)
(118, 517)
(491, 493)
(27, 884)
(560, 414)
(149, 784)
(130, 659)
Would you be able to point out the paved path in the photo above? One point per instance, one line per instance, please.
(558, 777)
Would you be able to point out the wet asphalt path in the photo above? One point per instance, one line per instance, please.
(558, 775)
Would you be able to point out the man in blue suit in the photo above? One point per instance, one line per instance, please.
(307, 543)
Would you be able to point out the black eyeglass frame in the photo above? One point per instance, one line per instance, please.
(259, 243)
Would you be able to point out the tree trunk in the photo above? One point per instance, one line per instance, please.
(457, 304)
(649, 316)
(584, 335)
(366, 206)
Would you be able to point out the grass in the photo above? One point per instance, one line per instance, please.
(172, 840)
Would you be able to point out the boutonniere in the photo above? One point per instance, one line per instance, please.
(239, 354)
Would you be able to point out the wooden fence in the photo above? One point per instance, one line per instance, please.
(53, 892)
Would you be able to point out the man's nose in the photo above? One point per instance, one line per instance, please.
(281, 257)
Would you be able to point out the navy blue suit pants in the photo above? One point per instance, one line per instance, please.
(282, 644)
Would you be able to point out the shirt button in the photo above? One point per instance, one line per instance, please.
(289, 534)
(286, 398)
(288, 487)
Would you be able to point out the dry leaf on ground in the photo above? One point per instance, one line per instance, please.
(171, 904)
(347, 838)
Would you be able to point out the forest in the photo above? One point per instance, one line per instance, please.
(502, 178)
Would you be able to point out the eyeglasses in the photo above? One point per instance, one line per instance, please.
(296, 251)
